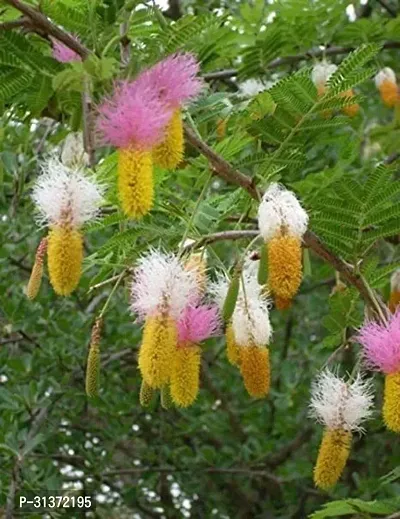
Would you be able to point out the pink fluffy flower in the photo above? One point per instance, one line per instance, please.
(381, 344)
(133, 117)
(197, 323)
(175, 79)
(64, 54)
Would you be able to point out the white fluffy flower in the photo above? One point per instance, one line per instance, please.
(251, 87)
(321, 72)
(280, 208)
(340, 404)
(250, 320)
(62, 194)
(395, 281)
(386, 74)
(161, 281)
(73, 152)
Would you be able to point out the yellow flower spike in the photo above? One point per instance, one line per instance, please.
(353, 109)
(169, 153)
(157, 351)
(135, 182)
(284, 267)
(185, 376)
(232, 348)
(35, 279)
(332, 457)
(146, 394)
(255, 370)
(64, 258)
(93, 361)
(342, 406)
(391, 403)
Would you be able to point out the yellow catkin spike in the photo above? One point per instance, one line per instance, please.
(146, 394)
(391, 402)
(394, 300)
(35, 280)
(353, 109)
(93, 361)
(284, 267)
(196, 263)
(255, 370)
(169, 153)
(389, 93)
(332, 457)
(135, 182)
(282, 304)
(157, 351)
(166, 400)
(232, 348)
(185, 376)
(64, 259)
(321, 89)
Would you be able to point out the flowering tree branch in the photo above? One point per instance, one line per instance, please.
(311, 240)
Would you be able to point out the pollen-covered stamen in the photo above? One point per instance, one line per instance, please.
(352, 109)
(35, 279)
(232, 348)
(332, 457)
(386, 82)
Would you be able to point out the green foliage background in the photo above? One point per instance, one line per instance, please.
(227, 456)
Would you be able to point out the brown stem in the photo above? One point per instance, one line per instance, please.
(41, 22)
(311, 240)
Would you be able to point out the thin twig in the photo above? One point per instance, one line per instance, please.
(289, 60)
(14, 24)
(388, 8)
(224, 169)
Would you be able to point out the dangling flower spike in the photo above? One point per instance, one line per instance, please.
(341, 407)
(196, 324)
(394, 301)
(66, 199)
(161, 289)
(133, 120)
(176, 81)
(386, 83)
(381, 350)
(282, 222)
(249, 332)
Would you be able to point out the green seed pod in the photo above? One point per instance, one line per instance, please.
(146, 394)
(262, 275)
(166, 400)
(35, 280)
(231, 296)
